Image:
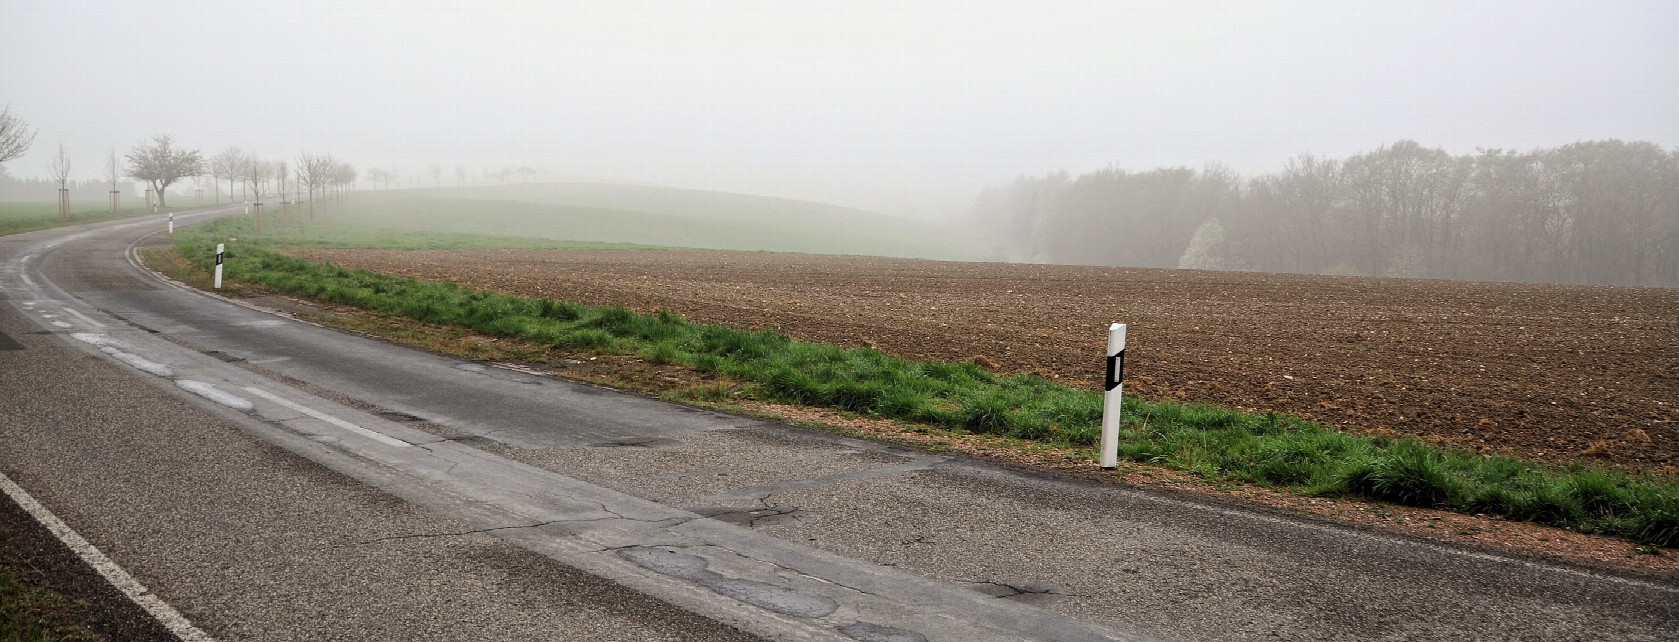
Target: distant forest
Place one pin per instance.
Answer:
(1598, 212)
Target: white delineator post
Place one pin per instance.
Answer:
(220, 248)
(1114, 385)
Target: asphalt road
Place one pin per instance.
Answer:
(251, 540)
(276, 480)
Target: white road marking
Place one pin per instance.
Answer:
(119, 351)
(61, 324)
(160, 610)
(140, 363)
(212, 393)
(84, 317)
(93, 338)
(370, 434)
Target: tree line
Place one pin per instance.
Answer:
(310, 175)
(1594, 212)
(160, 163)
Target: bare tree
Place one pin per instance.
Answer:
(113, 172)
(59, 170)
(305, 178)
(229, 166)
(1405, 197)
(316, 174)
(1290, 220)
(343, 177)
(225, 167)
(381, 177)
(460, 176)
(160, 164)
(15, 136)
(256, 174)
(437, 174)
(281, 175)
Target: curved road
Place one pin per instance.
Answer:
(275, 480)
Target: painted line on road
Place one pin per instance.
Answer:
(118, 351)
(140, 363)
(370, 434)
(159, 610)
(211, 392)
(84, 317)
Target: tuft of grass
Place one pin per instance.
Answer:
(1407, 473)
(1221, 444)
(29, 612)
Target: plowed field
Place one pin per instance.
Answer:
(1546, 371)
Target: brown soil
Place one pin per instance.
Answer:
(1550, 372)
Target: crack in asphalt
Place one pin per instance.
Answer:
(569, 520)
(1014, 590)
(670, 561)
(776, 511)
(377, 540)
(754, 515)
(871, 632)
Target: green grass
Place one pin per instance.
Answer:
(1217, 443)
(295, 234)
(28, 612)
(646, 216)
(17, 217)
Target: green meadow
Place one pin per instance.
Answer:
(641, 215)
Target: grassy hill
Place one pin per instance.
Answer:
(647, 215)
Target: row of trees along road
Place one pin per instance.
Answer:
(254, 177)
(160, 164)
(1598, 212)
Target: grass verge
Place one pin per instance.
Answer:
(29, 612)
(17, 217)
(1266, 449)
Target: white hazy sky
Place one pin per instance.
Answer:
(898, 106)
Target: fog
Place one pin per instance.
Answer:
(900, 107)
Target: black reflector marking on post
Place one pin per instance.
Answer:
(1116, 371)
